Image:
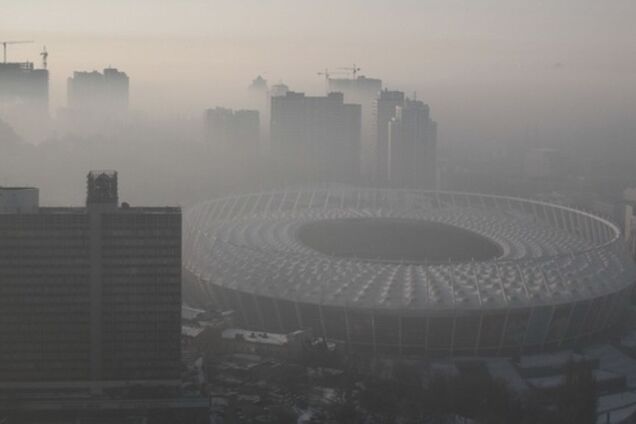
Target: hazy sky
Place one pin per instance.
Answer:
(509, 56)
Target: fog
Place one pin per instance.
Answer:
(497, 74)
(387, 211)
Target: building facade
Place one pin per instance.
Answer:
(319, 135)
(412, 161)
(385, 107)
(104, 93)
(90, 297)
(24, 99)
(237, 131)
(362, 91)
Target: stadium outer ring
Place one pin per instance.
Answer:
(558, 299)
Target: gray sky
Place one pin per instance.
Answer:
(527, 58)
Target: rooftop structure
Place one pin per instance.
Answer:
(19, 200)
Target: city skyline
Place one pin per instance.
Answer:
(450, 52)
(343, 212)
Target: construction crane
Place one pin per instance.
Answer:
(45, 57)
(354, 70)
(6, 43)
(327, 74)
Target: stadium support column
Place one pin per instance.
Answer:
(375, 342)
(279, 318)
(478, 340)
(347, 329)
(322, 321)
(400, 349)
(298, 315)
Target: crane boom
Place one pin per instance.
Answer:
(354, 70)
(6, 43)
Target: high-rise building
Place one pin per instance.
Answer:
(413, 147)
(90, 297)
(278, 90)
(229, 130)
(385, 107)
(362, 91)
(104, 93)
(259, 100)
(320, 135)
(24, 98)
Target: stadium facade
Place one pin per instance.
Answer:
(410, 272)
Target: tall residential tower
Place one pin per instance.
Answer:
(319, 135)
(362, 91)
(413, 147)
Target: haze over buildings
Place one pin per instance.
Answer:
(238, 131)
(453, 54)
(24, 98)
(96, 92)
(321, 262)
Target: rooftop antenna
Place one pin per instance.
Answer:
(6, 43)
(45, 56)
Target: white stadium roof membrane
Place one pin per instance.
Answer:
(549, 254)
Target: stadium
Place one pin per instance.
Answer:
(407, 272)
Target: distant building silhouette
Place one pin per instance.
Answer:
(320, 135)
(413, 147)
(102, 93)
(259, 100)
(385, 108)
(362, 91)
(97, 102)
(24, 98)
(236, 131)
(91, 295)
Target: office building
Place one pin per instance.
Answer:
(385, 107)
(412, 147)
(259, 100)
(362, 91)
(318, 135)
(90, 297)
(95, 93)
(236, 131)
